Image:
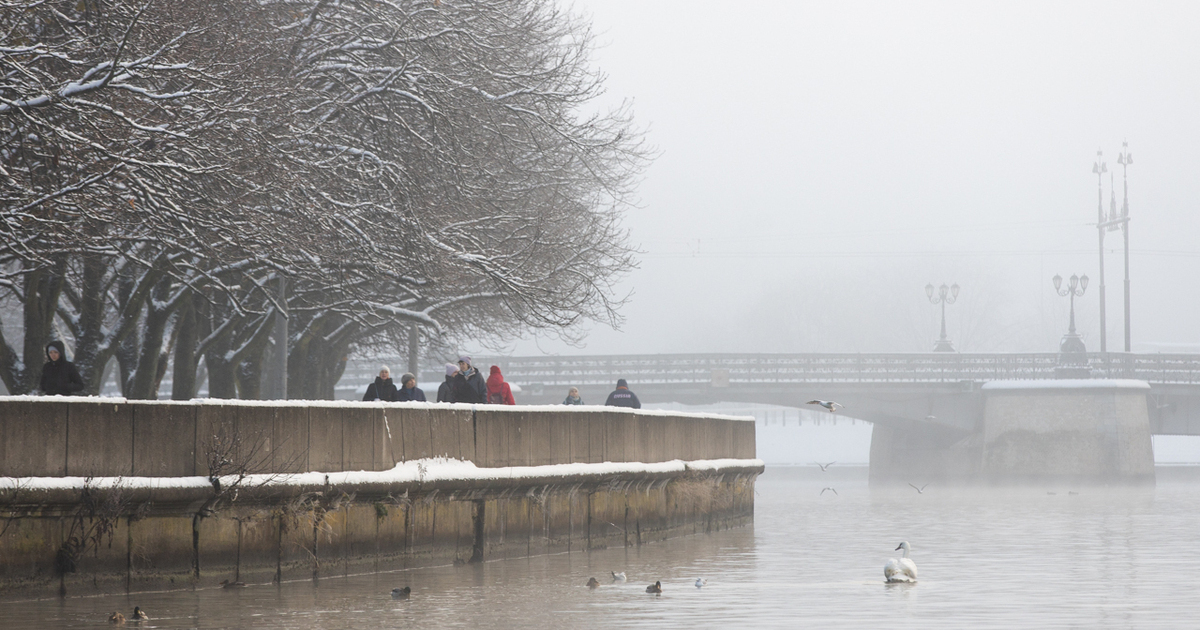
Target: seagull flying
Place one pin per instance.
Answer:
(830, 489)
(828, 404)
(824, 467)
(920, 490)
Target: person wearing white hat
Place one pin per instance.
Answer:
(383, 388)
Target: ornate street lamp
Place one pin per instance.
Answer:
(1072, 343)
(946, 295)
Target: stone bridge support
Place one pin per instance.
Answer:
(1073, 432)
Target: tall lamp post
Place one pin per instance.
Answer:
(1099, 168)
(1125, 158)
(946, 295)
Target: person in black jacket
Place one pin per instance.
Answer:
(383, 388)
(469, 386)
(59, 376)
(622, 397)
(446, 389)
(408, 389)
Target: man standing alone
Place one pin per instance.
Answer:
(622, 397)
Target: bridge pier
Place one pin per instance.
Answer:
(920, 453)
(1072, 432)
(1069, 431)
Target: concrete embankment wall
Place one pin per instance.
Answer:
(53, 437)
(157, 520)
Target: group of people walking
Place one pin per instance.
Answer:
(464, 384)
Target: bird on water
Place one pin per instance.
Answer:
(228, 584)
(618, 577)
(401, 593)
(701, 582)
(902, 569)
(116, 618)
(139, 614)
(593, 583)
(829, 405)
(655, 588)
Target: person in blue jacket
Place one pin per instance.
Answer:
(622, 397)
(409, 390)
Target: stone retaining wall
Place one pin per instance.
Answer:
(54, 437)
(156, 521)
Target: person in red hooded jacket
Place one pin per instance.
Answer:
(498, 392)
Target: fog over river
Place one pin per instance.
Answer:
(986, 559)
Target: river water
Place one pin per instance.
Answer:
(987, 559)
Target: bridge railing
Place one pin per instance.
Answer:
(803, 368)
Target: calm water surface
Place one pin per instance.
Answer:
(987, 559)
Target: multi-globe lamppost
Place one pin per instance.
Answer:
(946, 295)
(1072, 343)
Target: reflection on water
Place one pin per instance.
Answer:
(998, 559)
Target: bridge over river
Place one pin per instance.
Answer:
(936, 388)
(920, 404)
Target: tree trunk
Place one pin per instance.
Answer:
(126, 351)
(42, 290)
(315, 364)
(183, 378)
(142, 383)
(88, 349)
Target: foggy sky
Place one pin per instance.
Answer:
(821, 162)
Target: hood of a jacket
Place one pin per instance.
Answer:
(495, 379)
(58, 345)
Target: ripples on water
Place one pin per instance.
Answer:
(987, 559)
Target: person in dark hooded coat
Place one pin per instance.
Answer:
(446, 389)
(59, 376)
(622, 397)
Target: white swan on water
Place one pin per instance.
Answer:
(901, 569)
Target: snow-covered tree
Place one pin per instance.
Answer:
(165, 165)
